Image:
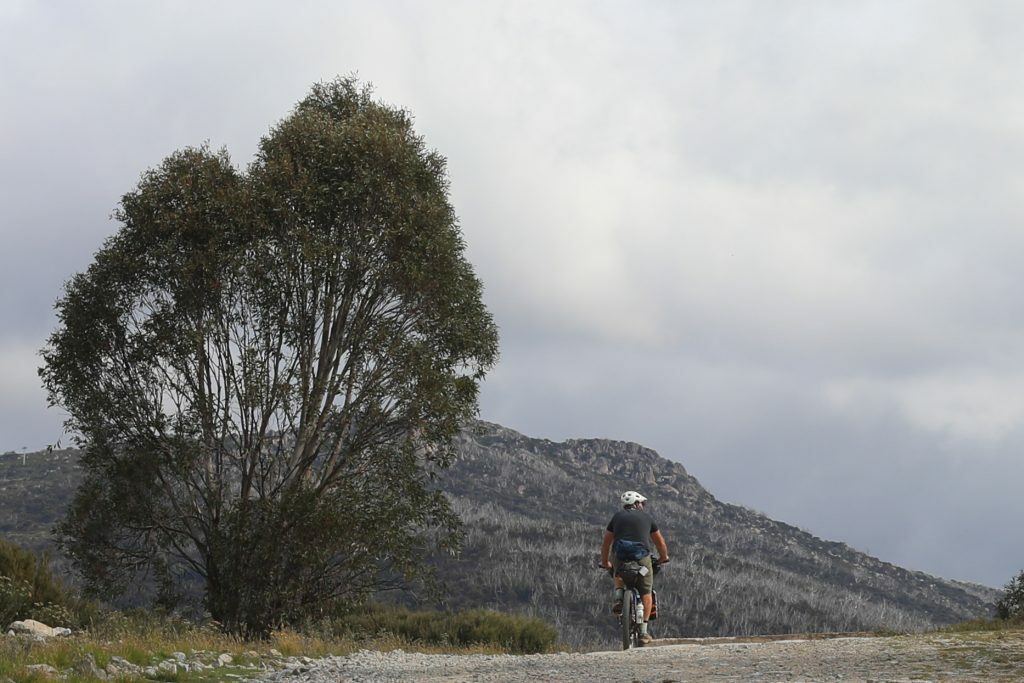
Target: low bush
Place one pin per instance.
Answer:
(976, 625)
(1010, 607)
(29, 590)
(505, 632)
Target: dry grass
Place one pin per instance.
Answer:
(145, 639)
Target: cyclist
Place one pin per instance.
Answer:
(629, 535)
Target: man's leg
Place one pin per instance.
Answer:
(645, 637)
(646, 587)
(620, 589)
(646, 597)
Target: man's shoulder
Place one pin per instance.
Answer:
(632, 514)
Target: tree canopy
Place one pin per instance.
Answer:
(265, 368)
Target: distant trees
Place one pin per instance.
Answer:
(265, 369)
(1010, 606)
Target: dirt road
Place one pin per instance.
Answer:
(978, 656)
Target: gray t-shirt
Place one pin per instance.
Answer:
(633, 525)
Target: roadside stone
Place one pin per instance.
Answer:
(225, 659)
(169, 666)
(44, 669)
(120, 665)
(86, 666)
(180, 656)
(274, 653)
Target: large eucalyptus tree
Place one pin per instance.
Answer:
(265, 368)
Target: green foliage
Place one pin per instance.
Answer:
(1010, 607)
(978, 626)
(266, 369)
(507, 632)
(29, 590)
(15, 598)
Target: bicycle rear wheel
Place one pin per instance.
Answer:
(628, 620)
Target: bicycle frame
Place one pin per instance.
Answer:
(632, 617)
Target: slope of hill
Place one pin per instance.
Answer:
(35, 489)
(534, 513)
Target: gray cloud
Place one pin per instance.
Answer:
(775, 241)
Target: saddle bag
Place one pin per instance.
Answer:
(631, 572)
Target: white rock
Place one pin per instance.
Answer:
(225, 659)
(119, 664)
(44, 669)
(61, 631)
(170, 666)
(180, 656)
(274, 653)
(31, 627)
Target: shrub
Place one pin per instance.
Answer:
(1010, 607)
(29, 590)
(507, 632)
(15, 596)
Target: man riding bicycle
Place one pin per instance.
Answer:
(628, 537)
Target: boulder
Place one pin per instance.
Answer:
(86, 666)
(119, 666)
(31, 627)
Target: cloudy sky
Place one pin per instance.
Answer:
(777, 241)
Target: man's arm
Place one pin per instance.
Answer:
(606, 545)
(659, 543)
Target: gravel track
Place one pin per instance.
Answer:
(971, 657)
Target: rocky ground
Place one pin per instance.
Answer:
(978, 656)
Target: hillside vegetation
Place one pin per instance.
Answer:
(534, 512)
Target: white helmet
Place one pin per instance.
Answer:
(632, 497)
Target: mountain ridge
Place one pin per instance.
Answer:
(734, 571)
(534, 511)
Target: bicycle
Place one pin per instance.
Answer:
(632, 617)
